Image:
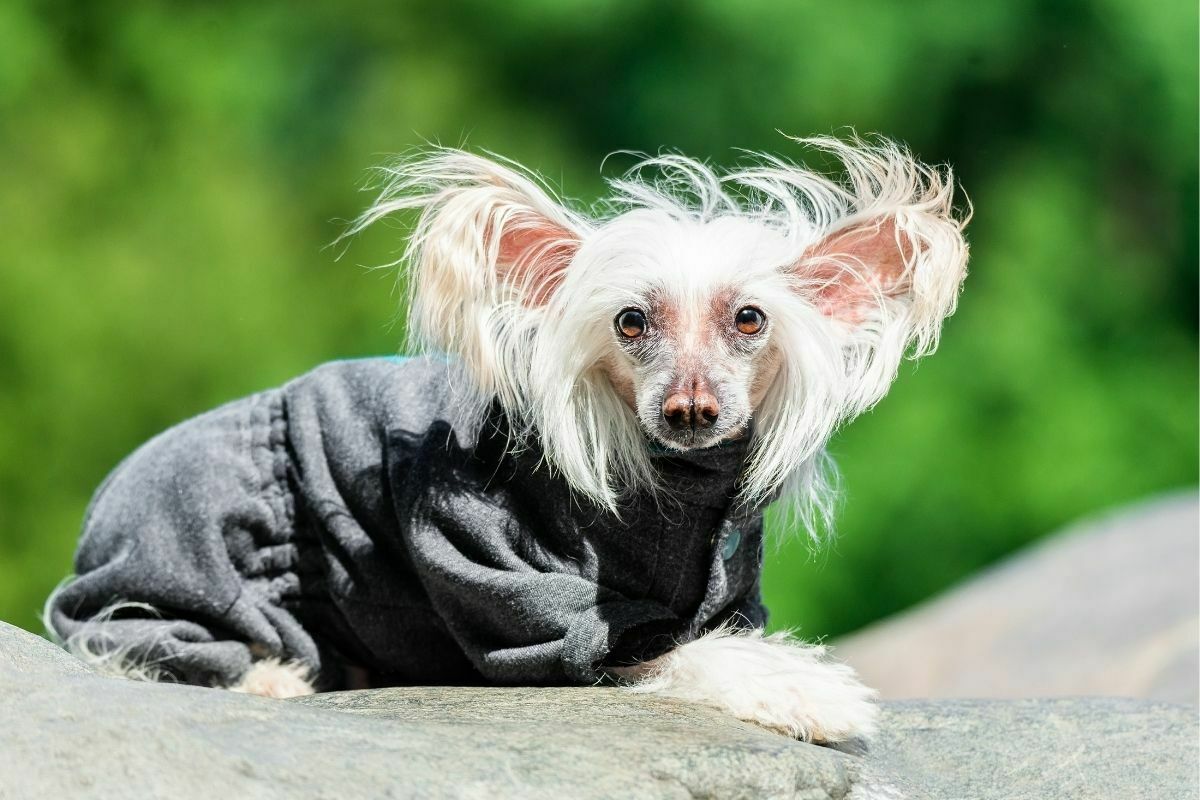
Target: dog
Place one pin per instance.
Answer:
(568, 486)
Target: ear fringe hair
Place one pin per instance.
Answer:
(459, 302)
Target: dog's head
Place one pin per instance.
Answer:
(767, 302)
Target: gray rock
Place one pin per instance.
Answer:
(1069, 748)
(1109, 607)
(22, 653)
(65, 732)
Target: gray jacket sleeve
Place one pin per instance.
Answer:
(516, 622)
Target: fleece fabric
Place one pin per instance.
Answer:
(356, 521)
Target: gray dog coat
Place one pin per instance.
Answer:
(353, 518)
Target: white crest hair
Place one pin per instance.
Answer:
(533, 333)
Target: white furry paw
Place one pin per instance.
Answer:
(271, 677)
(775, 681)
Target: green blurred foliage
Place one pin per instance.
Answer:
(172, 173)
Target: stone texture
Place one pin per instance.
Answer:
(65, 732)
(1051, 749)
(22, 653)
(1108, 607)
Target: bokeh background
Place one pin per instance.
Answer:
(171, 174)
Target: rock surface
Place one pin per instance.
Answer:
(65, 732)
(1110, 606)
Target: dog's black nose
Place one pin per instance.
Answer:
(679, 416)
(697, 408)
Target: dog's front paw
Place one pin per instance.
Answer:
(823, 703)
(775, 681)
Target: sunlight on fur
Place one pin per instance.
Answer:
(773, 680)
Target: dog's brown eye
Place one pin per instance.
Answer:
(631, 323)
(750, 320)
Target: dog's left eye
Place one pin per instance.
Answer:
(631, 323)
(750, 320)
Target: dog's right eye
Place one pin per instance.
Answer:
(631, 323)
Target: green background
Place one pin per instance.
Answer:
(172, 173)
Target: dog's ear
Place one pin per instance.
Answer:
(490, 248)
(892, 273)
(533, 253)
(849, 271)
(888, 266)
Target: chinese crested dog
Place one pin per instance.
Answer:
(568, 485)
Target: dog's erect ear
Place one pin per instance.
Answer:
(895, 272)
(490, 249)
(852, 269)
(888, 265)
(533, 253)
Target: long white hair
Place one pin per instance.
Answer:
(506, 277)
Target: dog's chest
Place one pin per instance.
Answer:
(692, 548)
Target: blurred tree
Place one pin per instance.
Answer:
(171, 171)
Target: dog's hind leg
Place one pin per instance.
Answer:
(271, 677)
(133, 640)
(92, 641)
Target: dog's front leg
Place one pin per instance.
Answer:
(776, 681)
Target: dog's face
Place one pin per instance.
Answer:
(692, 371)
(690, 346)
